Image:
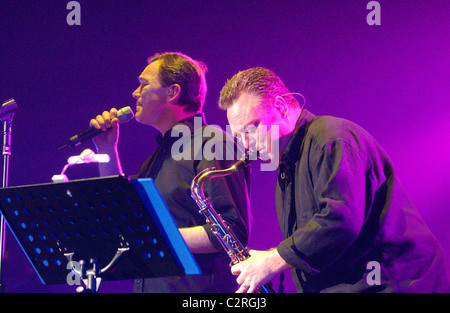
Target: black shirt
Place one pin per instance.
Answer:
(183, 152)
(342, 209)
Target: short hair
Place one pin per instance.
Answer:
(189, 74)
(258, 81)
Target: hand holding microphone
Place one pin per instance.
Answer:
(106, 124)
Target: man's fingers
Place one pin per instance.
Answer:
(242, 289)
(94, 123)
(251, 289)
(236, 269)
(246, 288)
(105, 120)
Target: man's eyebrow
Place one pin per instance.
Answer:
(141, 79)
(251, 125)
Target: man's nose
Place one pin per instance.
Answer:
(136, 94)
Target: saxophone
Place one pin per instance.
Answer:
(234, 248)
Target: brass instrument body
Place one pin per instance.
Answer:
(234, 248)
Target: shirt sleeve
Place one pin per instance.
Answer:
(338, 177)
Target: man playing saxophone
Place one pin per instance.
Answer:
(340, 205)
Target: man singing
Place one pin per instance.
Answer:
(171, 93)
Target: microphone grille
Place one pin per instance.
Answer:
(125, 114)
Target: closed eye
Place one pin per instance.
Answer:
(251, 127)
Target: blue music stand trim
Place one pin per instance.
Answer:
(160, 214)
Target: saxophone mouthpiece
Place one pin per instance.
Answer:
(246, 160)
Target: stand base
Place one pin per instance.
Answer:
(92, 277)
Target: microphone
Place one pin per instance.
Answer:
(7, 110)
(123, 115)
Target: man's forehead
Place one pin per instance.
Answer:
(151, 71)
(248, 105)
(241, 115)
(248, 99)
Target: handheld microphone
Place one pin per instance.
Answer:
(123, 115)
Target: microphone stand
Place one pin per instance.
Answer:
(6, 115)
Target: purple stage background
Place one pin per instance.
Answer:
(392, 79)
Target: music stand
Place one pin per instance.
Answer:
(122, 227)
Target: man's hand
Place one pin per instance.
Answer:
(258, 269)
(107, 142)
(109, 123)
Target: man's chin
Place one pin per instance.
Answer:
(138, 115)
(264, 156)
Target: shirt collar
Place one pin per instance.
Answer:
(167, 140)
(292, 150)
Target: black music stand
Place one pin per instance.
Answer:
(121, 227)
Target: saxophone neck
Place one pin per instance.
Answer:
(210, 173)
(243, 162)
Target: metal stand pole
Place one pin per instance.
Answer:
(6, 155)
(2, 249)
(7, 112)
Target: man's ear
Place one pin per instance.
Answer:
(281, 106)
(173, 93)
